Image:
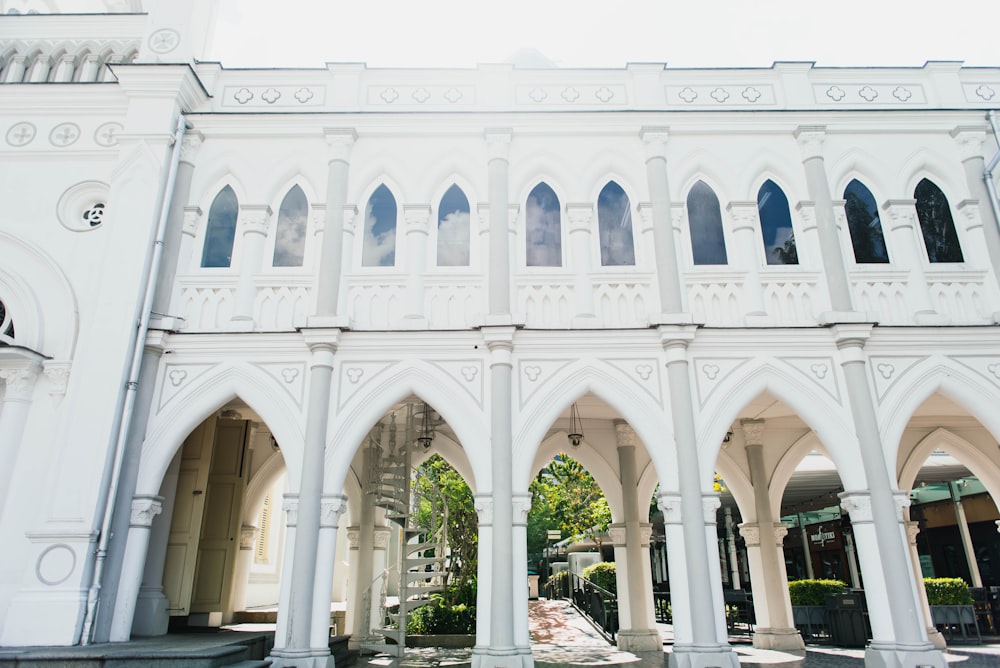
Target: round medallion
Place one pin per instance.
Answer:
(21, 134)
(55, 564)
(164, 40)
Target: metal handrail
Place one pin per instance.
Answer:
(596, 603)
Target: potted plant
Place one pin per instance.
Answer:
(950, 602)
(808, 599)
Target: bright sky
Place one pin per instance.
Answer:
(584, 33)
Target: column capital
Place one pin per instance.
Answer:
(322, 343)
(290, 504)
(902, 212)
(190, 143)
(617, 534)
(417, 218)
(380, 539)
(743, 214)
(483, 504)
(248, 535)
(645, 210)
(710, 504)
(350, 218)
(144, 509)
(499, 340)
(675, 340)
(192, 214)
(655, 139)
(753, 431)
(579, 215)
(255, 218)
(331, 507)
(625, 435)
(848, 336)
(19, 378)
(970, 140)
(807, 211)
(669, 504)
(751, 533)
(339, 142)
(57, 374)
(498, 142)
(810, 139)
(858, 505)
(522, 506)
(969, 210)
(912, 529)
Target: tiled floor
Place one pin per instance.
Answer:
(561, 637)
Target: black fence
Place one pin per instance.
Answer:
(598, 604)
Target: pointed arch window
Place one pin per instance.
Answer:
(379, 246)
(290, 232)
(543, 228)
(936, 224)
(614, 224)
(864, 224)
(220, 232)
(708, 244)
(776, 225)
(453, 229)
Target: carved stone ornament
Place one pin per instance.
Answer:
(144, 509)
(858, 505)
(751, 534)
(354, 538)
(753, 431)
(780, 531)
(625, 435)
(57, 374)
(290, 504)
(19, 382)
(484, 507)
(522, 506)
(912, 529)
(254, 219)
(248, 535)
(190, 144)
(710, 504)
(381, 538)
(646, 534)
(192, 214)
(330, 510)
(617, 534)
(669, 504)
(810, 139)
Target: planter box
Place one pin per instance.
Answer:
(446, 640)
(811, 621)
(951, 616)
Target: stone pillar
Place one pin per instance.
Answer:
(178, 238)
(806, 552)
(499, 301)
(151, 616)
(353, 592)
(501, 650)
(380, 574)
(637, 619)
(296, 649)
(746, 243)
(244, 562)
(364, 588)
(665, 250)
(15, 69)
(144, 509)
(331, 508)
(521, 506)
(970, 141)
(705, 642)
(484, 593)
(580, 218)
(852, 560)
(339, 143)
(734, 562)
(810, 139)
(253, 221)
(933, 635)
(765, 554)
(19, 378)
(909, 254)
(89, 71)
(64, 68)
(40, 69)
(899, 633)
(963, 531)
(417, 218)
(290, 504)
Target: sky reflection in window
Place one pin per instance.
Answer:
(614, 221)
(453, 229)
(379, 249)
(290, 232)
(542, 228)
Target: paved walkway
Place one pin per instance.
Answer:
(562, 637)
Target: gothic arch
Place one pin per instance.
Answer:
(446, 395)
(831, 421)
(703, 167)
(632, 402)
(370, 180)
(856, 163)
(768, 165)
(451, 169)
(204, 395)
(613, 166)
(452, 453)
(931, 165)
(531, 170)
(968, 454)
(260, 484)
(606, 475)
(293, 177)
(789, 462)
(958, 383)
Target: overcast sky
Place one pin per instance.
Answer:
(585, 33)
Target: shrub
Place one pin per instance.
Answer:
(947, 591)
(463, 592)
(439, 619)
(603, 575)
(814, 592)
(560, 583)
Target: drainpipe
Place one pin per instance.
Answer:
(107, 502)
(991, 187)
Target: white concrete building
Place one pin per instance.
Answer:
(211, 277)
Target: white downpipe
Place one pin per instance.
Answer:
(107, 503)
(991, 187)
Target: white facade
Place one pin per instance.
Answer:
(874, 364)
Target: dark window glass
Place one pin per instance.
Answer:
(542, 228)
(614, 223)
(936, 224)
(453, 229)
(220, 231)
(379, 248)
(290, 232)
(6, 322)
(776, 225)
(708, 245)
(864, 224)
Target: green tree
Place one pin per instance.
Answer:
(565, 497)
(444, 502)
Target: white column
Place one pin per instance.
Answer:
(734, 562)
(707, 644)
(746, 242)
(339, 143)
(89, 68)
(363, 600)
(669, 503)
(290, 504)
(353, 591)
(772, 604)
(852, 560)
(151, 614)
(19, 378)
(935, 636)
(244, 562)
(806, 552)
(331, 508)
(40, 69)
(144, 509)
(499, 293)
(638, 631)
(521, 506)
(64, 69)
(580, 219)
(970, 142)
(380, 574)
(667, 263)
(15, 69)
(963, 531)
(909, 255)
(253, 222)
(417, 219)
(975, 221)
(484, 511)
